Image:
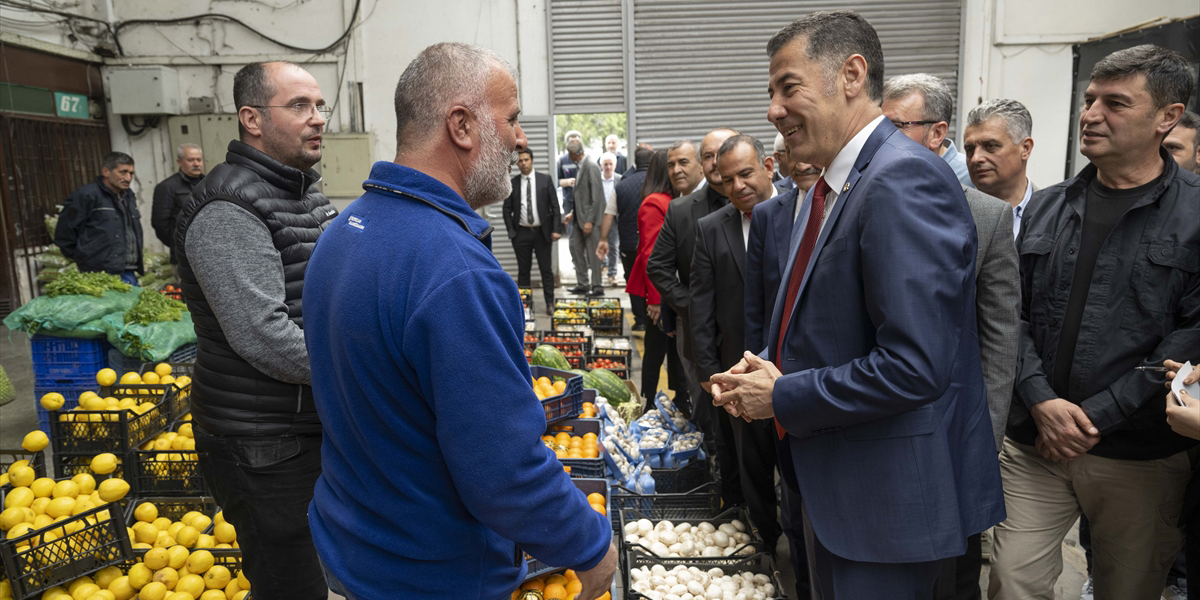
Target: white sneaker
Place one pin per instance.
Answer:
(1175, 592)
(1088, 592)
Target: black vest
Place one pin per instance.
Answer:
(229, 395)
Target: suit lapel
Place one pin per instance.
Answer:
(732, 224)
(783, 227)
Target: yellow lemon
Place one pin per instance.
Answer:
(102, 595)
(146, 512)
(213, 595)
(10, 517)
(42, 487)
(177, 557)
(219, 517)
(121, 589)
(39, 506)
(103, 464)
(3, 479)
(162, 369)
(52, 401)
(93, 403)
(61, 507)
(139, 576)
(66, 489)
(173, 529)
(21, 477)
(232, 589)
(166, 380)
(150, 378)
(153, 591)
(19, 530)
(84, 590)
(35, 441)
(106, 377)
(86, 483)
(190, 584)
(144, 533)
(55, 593)
(216, 578)
(17, 465)
(206, 541)
(131, 378)
(200, 561)
(166, 576)
(104, 577)
(126, 403)
(200, 522)
(242, 581)
(19, 497)
(241, 595)
(224, 533)
(187, 536)
(185, 430)
(156, 559)
(162, 524)
(82, 505)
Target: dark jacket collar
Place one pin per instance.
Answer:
(189, 178)
(405, 182)
(1078, 185)
(104, 189)
(286, 178)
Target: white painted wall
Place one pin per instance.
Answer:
(1021, 49)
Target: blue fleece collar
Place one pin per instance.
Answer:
(391, 178)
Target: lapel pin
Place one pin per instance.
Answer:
(846, 187)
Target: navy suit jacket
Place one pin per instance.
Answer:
(767, 256)
(882, 391)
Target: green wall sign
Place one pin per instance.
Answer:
(71, 106)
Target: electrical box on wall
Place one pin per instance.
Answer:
(149, 90)
(211, 132)
(345, 163)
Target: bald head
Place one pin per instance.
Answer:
(708, 154)
(281, 112)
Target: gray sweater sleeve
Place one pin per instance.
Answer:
(237, 265)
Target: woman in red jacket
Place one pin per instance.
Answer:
(656, 196)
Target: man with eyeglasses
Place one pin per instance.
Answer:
(921, 106)
(243, 242)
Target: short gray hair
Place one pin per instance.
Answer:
(185, 146)
(1169, 77)
(939, 100)
(570, 134)
(760, 151)
(441, 76)
(681, 143)
(1016, 117)
(608, 156)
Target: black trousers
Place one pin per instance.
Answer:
(527, 242)
(755, 446)
(728, 461)
(264, 485)
(959, 576)
(637, 303)
(660, 347)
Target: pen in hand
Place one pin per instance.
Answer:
(1153, 369)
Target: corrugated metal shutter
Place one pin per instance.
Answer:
(537, 132)
(587, 64)
(700, 65)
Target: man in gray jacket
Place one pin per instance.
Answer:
(586, 218)
(243, 243)
(997, 292)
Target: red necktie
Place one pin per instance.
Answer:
(812, 229)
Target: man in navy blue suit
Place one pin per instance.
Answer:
(871, 367)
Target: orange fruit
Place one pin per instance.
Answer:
(600, 509)
(534, 584)
(556, 578)
(574, 586)
(560, 387)
(595, 498)
(571, 576)
(543, 381)
(554, 591)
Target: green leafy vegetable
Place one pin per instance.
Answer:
(153, 307)
(92, 284)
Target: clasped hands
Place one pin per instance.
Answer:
(745, 390)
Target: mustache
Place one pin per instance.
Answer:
(811, 171)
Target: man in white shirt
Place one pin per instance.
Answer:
(531, 215)
(608, 179)
(997, 145)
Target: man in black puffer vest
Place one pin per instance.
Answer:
(243, 242)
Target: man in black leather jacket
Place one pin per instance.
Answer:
(100, 227)
(171, 194)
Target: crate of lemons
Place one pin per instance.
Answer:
(153, 382)
(168, 463)
(96, 422)
(50, 525)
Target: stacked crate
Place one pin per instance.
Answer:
(67, 366)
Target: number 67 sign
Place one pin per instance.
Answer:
(71, 106)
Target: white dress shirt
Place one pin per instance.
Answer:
(838, 171)
(527, 183)
(610, 195)
(745, 230)
(1019, 210)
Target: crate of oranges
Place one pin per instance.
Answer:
(576, 442)
(596, 491)
(563, 584)
(561, 392)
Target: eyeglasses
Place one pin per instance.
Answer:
(304, 109)
(903, 124)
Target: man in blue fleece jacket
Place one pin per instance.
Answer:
(435, 480)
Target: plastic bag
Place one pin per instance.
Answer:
(67, 313)
(151, 343)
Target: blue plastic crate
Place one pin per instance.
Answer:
(566, 405)
(70, 397)
(587, 486)
(66, 361)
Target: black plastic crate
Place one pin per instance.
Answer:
(9, 456)
(526, 297)
(606, 314)
(173, 507)
(672, 505)
(681, 479)
(117, 431)
(612, 345)
(620, 368)
(571, 349)
(581, 467)
(167, 472)
(178, 397)
(40, 566)
(693, 516)
(759, 564)
(70, 395)
(587, 486)
(566, 405)
(70, 465)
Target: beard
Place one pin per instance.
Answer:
(487, 179)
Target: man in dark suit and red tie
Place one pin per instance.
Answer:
(532, 217)
(871, 368)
